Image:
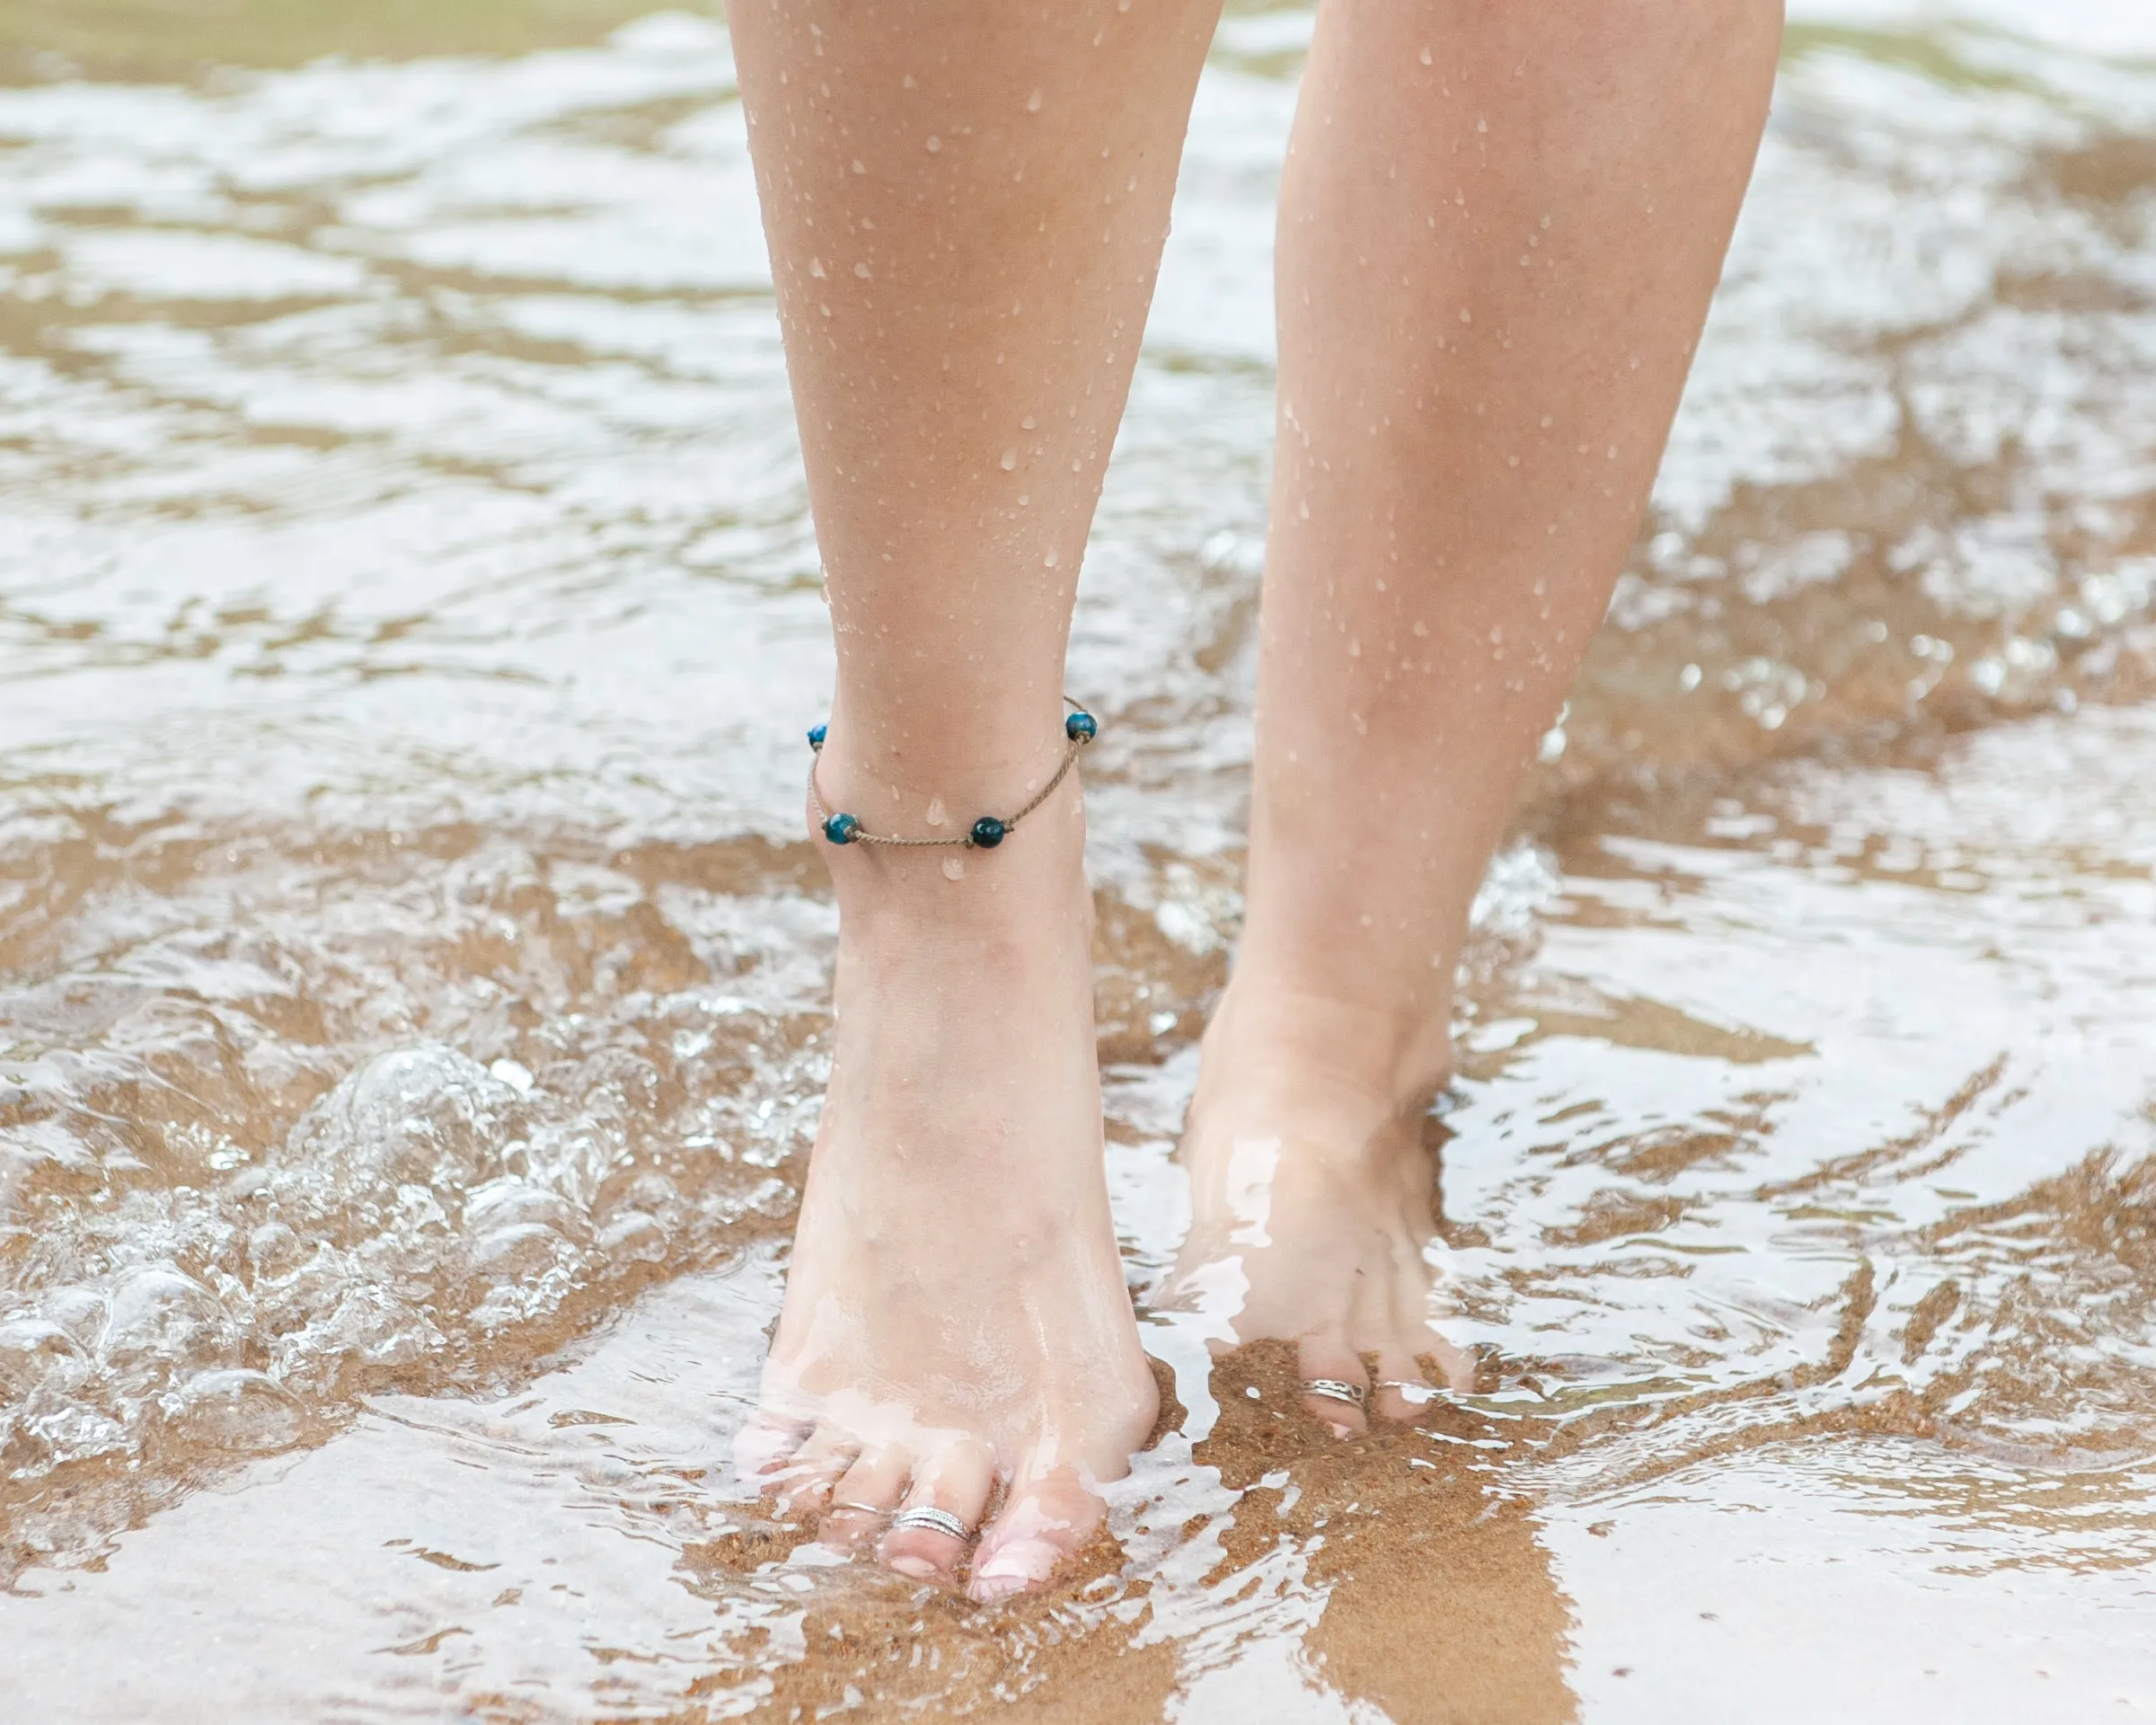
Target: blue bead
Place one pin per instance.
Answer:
(1081, 728)
(840, 830)
(815, 735)
(987, 832)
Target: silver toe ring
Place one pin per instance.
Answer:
(1334, 1389)
(930, 1521)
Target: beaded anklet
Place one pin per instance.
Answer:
(1079, 728)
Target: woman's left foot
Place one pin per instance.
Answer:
(1313, 1209)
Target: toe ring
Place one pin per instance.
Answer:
(1335, 1389)
(930, 1521)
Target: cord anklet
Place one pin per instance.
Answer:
(1079, 729)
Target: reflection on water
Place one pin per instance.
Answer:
(412, 983)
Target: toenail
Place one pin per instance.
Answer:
(919, 1568)
(1021, 1564)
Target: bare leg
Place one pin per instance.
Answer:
(965, 203)
(1499, 230)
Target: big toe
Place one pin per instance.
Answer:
(1335, 1385)
(1047, 1521)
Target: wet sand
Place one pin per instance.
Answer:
(412, 983)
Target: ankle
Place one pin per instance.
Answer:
(1034, 877)
(1270, 1038)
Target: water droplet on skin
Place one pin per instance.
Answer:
(1029, 422)
(1050, 560)
(934, 144)
(1421, 628)
(1512, 460)
(953, 869)
(936, 816)
(1010, 460)
(1466, 316)
(1426, 56)
(1482, 125)
(862, 270)
(859, 166)
(1546, 422)
(1033, 102)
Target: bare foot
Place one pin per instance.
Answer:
(956, 1330)
(1312, 1203)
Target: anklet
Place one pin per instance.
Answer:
(1079, 729)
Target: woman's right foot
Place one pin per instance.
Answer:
(956, 1325)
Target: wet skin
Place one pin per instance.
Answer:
(962, 273)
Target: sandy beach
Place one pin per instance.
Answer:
(414, 979)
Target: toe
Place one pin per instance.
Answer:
(802, 1481)
(765, 1445)
(956, 1481)
(863, 1500)
(1047, 1522)
(1447, 1364)
(1402, 1392)
(1328, 1360)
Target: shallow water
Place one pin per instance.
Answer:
(413, 981)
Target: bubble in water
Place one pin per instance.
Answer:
(516, 1254)
(161, 1315)
(426, 1115)
(32, 1349)
(79, 1311)
(515, 1202)
(633, 1237)
(237, 1410)
(272, 1249)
